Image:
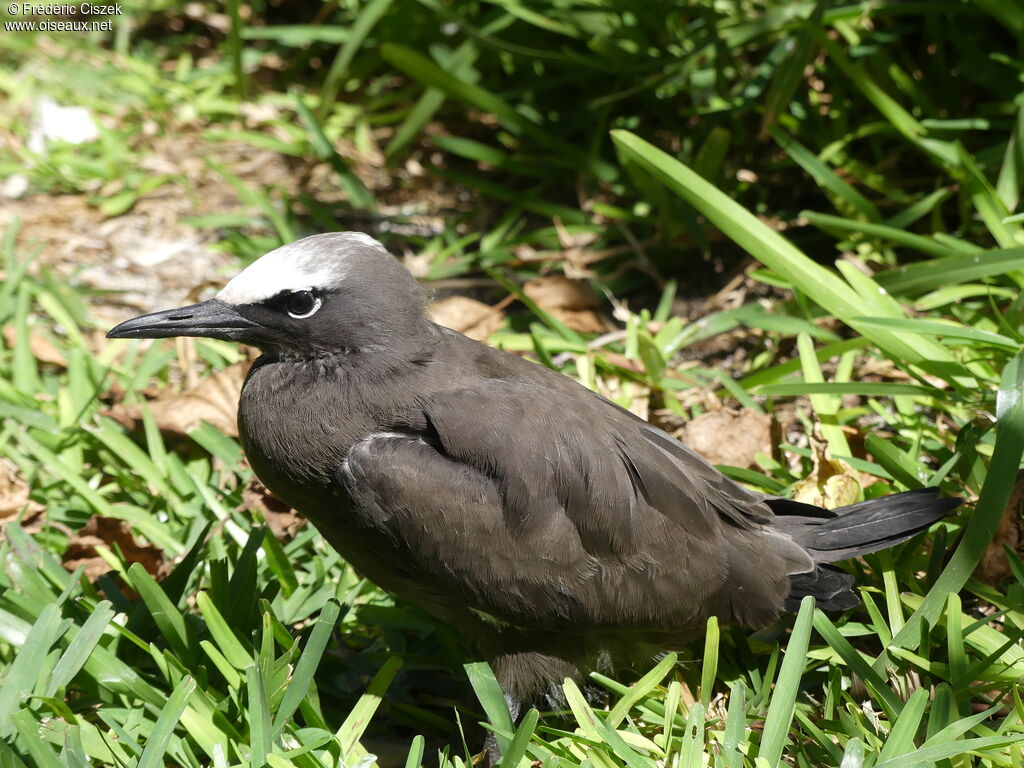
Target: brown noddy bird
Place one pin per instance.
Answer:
(554, 529)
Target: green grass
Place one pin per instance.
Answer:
(886, 137)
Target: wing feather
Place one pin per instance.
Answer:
(545, 505)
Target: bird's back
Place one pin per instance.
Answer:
(579, 515)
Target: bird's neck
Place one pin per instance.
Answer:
(300, 414)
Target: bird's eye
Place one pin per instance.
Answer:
(302, 304)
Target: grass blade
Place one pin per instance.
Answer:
(735, 726)
(226, 640)
(521, 740)
(78, 651)
(369, 15)
(302, 677)
(709, 668)
(783, 700)
(878, 686)
(170, 716)
(825, 406)
(258, 716)
(639, 690)
(1002, 472)
(24, 670)
(841, 190)
(355, 724)
(426, 71)
(928, 275)
(947, 329)
(824, 287)
(166, 615)
(359, 197)
(891, 234)
(492, 699)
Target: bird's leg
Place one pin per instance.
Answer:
(515, 707)
(523, 664)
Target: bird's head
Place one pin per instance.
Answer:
(337, 292)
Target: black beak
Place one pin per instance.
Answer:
(212, 318)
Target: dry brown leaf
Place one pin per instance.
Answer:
(581, 320)
(559, 292)
(569, 301)
(577, 253)
(994, 566)
(14, 499)
(832, 483)
(14, 492)
(729, 437)
(115, 534)
(469, 316)
(42, 349)
(568, 240)
(284, 521)
(215, 400)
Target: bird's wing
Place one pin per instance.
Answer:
(609, 470)
(438, 535)
(550, 503)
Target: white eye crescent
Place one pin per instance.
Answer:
(302, 304)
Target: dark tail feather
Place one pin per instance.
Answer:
(832, 589)
(850, 532)
(862, 528)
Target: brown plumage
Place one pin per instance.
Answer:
(550, 526)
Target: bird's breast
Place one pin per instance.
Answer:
(296, 427)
